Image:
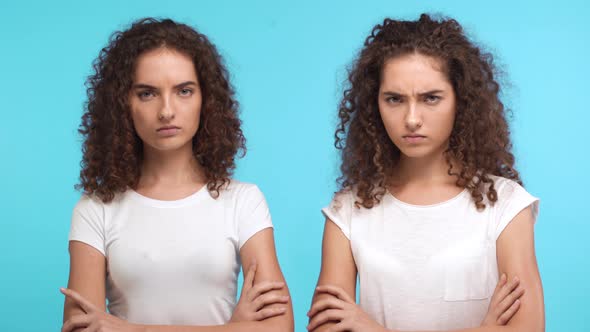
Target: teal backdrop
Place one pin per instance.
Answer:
(288, 60)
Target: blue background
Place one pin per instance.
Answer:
(288, 61)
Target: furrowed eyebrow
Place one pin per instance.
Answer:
(143, 86)
(391, 93)
(422, 94)
(184, 84)
(178, 86)
(431, 92)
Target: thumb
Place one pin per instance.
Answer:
(86, 305)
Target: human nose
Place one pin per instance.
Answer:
(166, 112)
(413, 118)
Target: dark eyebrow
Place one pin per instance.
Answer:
(143, 86)
(183, 84)
(391, 93)
(431, 92)
(178, 86)
(427, 93)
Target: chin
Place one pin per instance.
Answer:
(416, 152)
(170, 145)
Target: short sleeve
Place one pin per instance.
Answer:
(253, 215)
(340, 211)
(88, 224)
(512, 199)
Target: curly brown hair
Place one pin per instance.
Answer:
(480, 140)
(112, 150)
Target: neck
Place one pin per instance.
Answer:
(170, 168)
(427, 170)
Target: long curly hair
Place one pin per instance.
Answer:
(480, 140)
(112, 150)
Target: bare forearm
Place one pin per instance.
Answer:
(71, 310)
(324, 327)
(327, 325)
(231, 327)
(489, 329)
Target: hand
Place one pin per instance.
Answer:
(254, 299)
(341, 308)
(94, 320)
(505, 302)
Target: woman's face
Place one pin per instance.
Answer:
(165, 100)
(417, 105)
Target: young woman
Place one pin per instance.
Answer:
(431, 215)
(162, 230)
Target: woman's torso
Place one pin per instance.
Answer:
(173, 262)
(428, 267)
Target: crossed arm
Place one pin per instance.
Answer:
(86, 305)
(515, 254)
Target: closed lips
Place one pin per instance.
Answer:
(168, 127)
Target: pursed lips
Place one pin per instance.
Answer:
(168, 131)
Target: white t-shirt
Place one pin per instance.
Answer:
(172, 262)
(428, 267)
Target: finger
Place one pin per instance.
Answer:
(81, 301)
(496, 296)
(324, 317)
(507, 315)
(510, 299)
(340, 327)
(91, 328)
(268, 299)
(500, 284)
(336, 291)
(269, 312)
(327, 303)
(503, 280)
(249, 278)
(507, 289)
(75, 322)
(263, 287)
